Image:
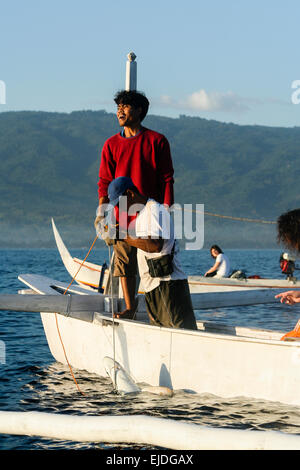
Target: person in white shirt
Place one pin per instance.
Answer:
(221, 268)
(167, 294)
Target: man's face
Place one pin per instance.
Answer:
(127, 115)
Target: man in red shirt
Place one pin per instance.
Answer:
(144, 156)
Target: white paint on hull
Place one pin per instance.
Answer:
(203, 362)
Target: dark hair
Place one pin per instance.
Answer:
(217, 248)
(288, 229)
(135, 99)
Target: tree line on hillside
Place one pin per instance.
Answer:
(49, 165)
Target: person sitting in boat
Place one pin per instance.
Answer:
(167, 295)
(288, 232)
(287, 265)
(221, 268)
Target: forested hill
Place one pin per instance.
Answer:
(49, 167)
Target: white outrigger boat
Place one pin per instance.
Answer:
(227, 361)
(214, 292)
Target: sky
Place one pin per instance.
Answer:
(227, 60)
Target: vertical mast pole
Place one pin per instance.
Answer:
(131, 72)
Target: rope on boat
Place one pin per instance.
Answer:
(243, 219)
(56, 318)
(112, 314)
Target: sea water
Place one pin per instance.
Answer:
(31, 380)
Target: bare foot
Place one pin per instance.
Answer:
(130, 314)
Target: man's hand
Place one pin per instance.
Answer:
(98, 220)
(106, 232)
(290, 297)
(146, 244)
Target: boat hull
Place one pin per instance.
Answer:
(225, 365)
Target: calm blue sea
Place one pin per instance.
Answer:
(30, 379)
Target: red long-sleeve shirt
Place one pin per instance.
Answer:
(145, 158)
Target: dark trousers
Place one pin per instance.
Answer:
(211, 274)
(170, 305)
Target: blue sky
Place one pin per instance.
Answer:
(228, 60)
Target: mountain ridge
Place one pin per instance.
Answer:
(50, 161)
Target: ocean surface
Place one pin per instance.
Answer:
(31, 380)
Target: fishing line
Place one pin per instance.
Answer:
(56, 318)
(242, 219)
(112, 313)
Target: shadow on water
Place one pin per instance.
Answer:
(52, 389)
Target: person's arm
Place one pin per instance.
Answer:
(166, 171)
(106, 171)
(99, 212)
(169, 193)
(106, 175)
(290, 297)
(213, 268)
(102, 200)
(150, 229)
(146, 244)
